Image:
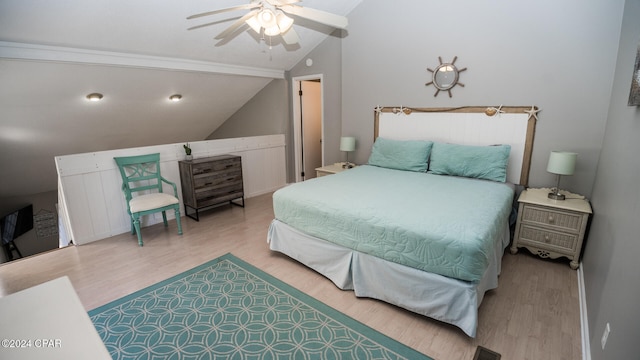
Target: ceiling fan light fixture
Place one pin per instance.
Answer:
(267, 18)
(272, 23)
(94, 97)
(272, 31)
(284, 22)
(254, 23)
(175, 97)
(272, 18)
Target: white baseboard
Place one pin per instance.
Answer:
(584, 322)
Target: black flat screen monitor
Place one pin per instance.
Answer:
(15, 224)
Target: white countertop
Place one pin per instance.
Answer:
(48, 321)
(572, 202)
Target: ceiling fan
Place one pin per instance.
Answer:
(269, 18)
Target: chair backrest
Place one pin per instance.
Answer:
(139, 173)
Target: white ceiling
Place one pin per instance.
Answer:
(158, 28)
(136, 53)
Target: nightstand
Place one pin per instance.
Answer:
(330, 169)
(551, 228)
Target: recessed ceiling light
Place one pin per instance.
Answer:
(94, 97)
(176, 97)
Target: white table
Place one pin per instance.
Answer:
(330, 169)
(48, 321)
(551, 228)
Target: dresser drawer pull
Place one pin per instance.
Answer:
(551, 219)
(546, 239)
(229, 165)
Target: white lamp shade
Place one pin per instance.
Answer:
(273, 23)
(284, 22)
(267, 18)
(272, 31)
(254, 23)
(562, 162)
(347, 143)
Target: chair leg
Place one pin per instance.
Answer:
(133, 228)
(178, 221)
(136, 223)
(164, 218)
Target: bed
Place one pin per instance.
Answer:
(424, 224)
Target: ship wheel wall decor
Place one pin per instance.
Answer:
(445, 76)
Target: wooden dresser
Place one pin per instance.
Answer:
(211, 181)
(551, 228)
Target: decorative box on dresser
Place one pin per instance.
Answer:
(211, 181)
(551, 228)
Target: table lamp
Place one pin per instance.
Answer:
(561, 163)
(347, 144)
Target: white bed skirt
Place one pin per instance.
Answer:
(439, 297)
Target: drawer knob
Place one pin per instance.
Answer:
(551, 219)
(546, 239)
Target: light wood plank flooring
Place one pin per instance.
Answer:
(534, 314)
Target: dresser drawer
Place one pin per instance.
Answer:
(215, 179)
(203, 169)
(562, 220)
(220, 190)
(209, 199)
(548, 239)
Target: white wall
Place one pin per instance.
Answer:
(559, 56)
(326, 61)
(266, 113)
(612, 251)
(92, 205)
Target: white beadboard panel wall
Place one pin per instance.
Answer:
(91, 201)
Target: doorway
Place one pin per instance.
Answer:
(308, 126)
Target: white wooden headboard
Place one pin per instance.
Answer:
(473, 125)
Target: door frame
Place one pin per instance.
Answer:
(297, 143)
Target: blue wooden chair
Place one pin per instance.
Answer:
(141, 174)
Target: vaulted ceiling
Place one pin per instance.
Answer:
(136, 53)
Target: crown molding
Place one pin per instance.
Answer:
(36, 52)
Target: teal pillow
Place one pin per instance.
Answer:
(409, 155)
(482, 162)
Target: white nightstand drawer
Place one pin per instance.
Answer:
(565, 220)
(552, 240)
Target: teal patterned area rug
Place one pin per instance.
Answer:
(228, 309)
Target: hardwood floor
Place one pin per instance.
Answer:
(534, 313)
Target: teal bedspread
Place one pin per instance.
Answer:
(441, 224)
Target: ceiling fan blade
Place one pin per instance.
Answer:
(282, 3)
(290, 37)
(231, 29)
(239, 7)
(319, 16)
(205, 25)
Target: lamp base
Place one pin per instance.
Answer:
(555, 196)
(347, 165)
(555, 192)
